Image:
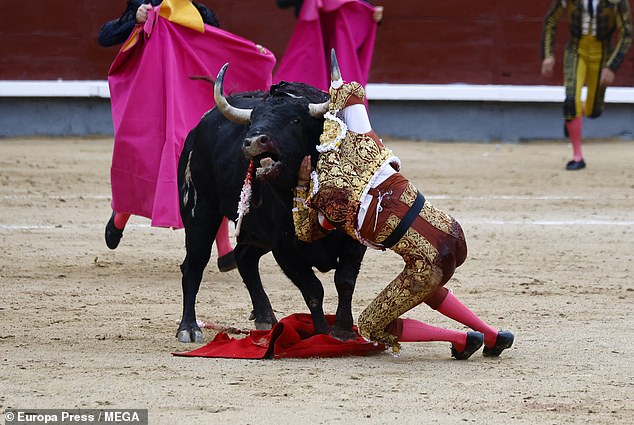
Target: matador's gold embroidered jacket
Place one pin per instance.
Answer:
(347, 165)
(611, 15)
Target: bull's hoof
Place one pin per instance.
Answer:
(190, 335)
(343, 334)
(264, 322)
(262, 326)
(321, 327)
(227, 262)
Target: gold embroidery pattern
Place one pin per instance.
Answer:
(420, 277)
(305, 220)
(339, 97)
(410, 288)
(411, 242)
(442, 221)
(409, 194)
(414, 245)
(437, 218)
(385, 231)
(344, 174)
(306, 225)
(330, 132)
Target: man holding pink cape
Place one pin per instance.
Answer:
(155, 104)
(348, 26)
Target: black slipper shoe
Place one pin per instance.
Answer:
(503, 341)
(474, 342)
(113, 235)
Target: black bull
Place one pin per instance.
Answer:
(211, 172)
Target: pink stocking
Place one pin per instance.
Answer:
(574, 127)
(415, 331)
(120, 220)
(222, 238)
(453, 308)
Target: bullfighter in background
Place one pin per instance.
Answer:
(588, 59)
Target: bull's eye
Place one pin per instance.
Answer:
(295, 121)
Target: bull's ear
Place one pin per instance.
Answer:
(237, 115)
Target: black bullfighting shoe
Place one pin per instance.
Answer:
(113, 235)
(474, 342)
(503, 341)
(575, 165)
(227, 262)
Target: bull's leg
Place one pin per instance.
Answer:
(302, 275)
(248, 260)
(345, 280)
(199, 238)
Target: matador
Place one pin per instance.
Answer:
(357, 188)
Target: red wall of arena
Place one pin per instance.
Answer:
(477, 42)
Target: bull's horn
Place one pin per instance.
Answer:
(336, 80)
(317, 110)
(237, 115)
(335, 72)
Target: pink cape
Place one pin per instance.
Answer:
(292, 337)
(155, 105)
(345, 25)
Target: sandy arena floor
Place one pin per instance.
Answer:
(551, 257)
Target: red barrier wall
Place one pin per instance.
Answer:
(478, 42)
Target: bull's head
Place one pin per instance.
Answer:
(282, 129)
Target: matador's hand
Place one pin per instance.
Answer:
(607, 77)
(547, 66)
(378, 14)
(141, 13)
(303, 174)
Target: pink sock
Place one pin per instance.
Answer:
(415, 331)
(222, 238)
(120, 220)
(574, 132)
(453, 308)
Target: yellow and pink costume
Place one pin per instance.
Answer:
(591, 27)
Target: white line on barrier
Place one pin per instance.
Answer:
(375, 91)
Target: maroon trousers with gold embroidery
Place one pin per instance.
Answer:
(432, 247)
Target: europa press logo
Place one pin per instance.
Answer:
(76, 416)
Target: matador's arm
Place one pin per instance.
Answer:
(553, 16)
(305, 218)
(624, 25)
